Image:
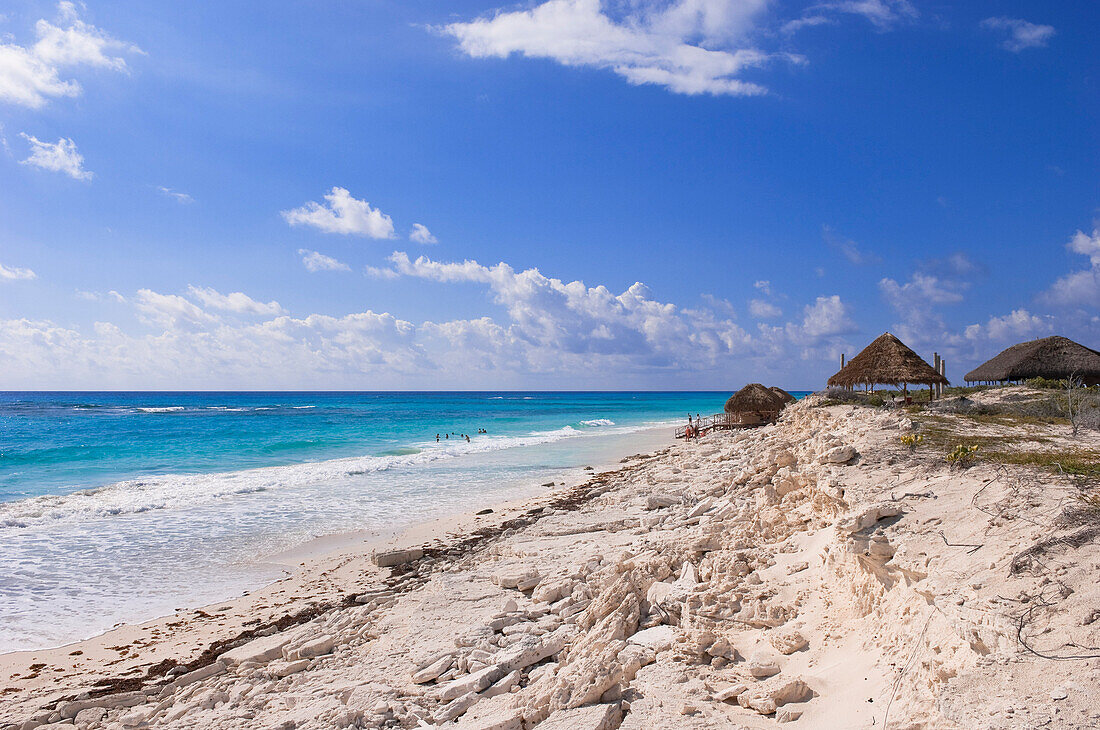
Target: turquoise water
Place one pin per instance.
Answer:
(124, 506)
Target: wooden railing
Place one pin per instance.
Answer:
(717, 422)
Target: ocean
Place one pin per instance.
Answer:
(120, 507)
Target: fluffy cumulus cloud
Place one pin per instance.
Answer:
(31, 75)
(421, 234)
(685, 46)
(1017, 325)
(763, 309)
(61, 156)
(550, 333)
(921, 291)
(342, 213)
(237, 302)
(170, 311)
(1079, 288)
(314, 262)
(1021, 34)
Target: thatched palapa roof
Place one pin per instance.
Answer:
(1050, 357)
(887, 361)
(784, 396)
(754, 398)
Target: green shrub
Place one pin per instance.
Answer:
(962, 456)
(1046, 383)
(875, 400)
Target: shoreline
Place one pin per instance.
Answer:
(802, 572)
(289, 560)
(297, 560)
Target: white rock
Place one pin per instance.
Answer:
(285, 670)
(864, 517)
(433, 670)
(391, 558)
(472, 682)
(657, 638)
(522, 579)
(840, 455)
(505, 684)
(456, 708)
(260, 651)
(657, 501)
(761, 665)
(730, 693)
(321, 645)
(788, 641)
(592, 717)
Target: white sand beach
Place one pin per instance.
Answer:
(815, 571)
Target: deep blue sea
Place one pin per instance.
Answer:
(119, 507)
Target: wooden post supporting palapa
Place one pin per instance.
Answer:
(934, 388)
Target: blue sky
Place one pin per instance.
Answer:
(563, 194)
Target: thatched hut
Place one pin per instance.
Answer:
(755, 405)
(887, 361)
(784, 396)
(1055, 357)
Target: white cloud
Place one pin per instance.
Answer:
(59, 157)
(1018, 325)
(1079, 288)
(315, 261)
(421, 234)
(719, 304)
(763, 285)
(848, 248)
(1086, 245)
(31, 75)
(761, 309)
(685, 46)
(342, 214)
(169, 310)
(826, 317)
(238, 302)
(552, 333)
(375, 272)
(883, 14)
(12, 273)
(175, 195)
(921, 290)
(1021, 34)
(808, 21)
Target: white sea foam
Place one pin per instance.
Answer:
(134, 496)
(598, 422)
(159, 409)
